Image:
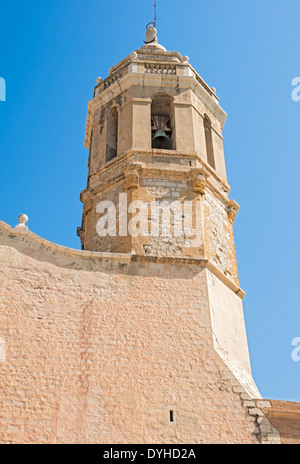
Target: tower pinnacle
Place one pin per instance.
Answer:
(151, 34)
(151, 37)
(151, 31)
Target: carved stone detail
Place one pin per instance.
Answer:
(232, 209)
(80, 234)
(132, 176)
(199, 180)
(87, 201)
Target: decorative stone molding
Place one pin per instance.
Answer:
(232, 209)
(87, 200)
(132, 176)
(199, 180)
(160, 68)
(80, 234)
(112, 79)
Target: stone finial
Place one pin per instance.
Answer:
(23, 219)
(151, 35)
(151, 41)
(99, 80)
(133, 55)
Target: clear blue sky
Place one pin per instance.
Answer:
(51, 54)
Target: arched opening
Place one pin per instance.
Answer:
(162, 122)
(209, 142)
(112, 135)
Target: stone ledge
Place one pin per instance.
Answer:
(60, 248)
(201, 262)
(180, 170)
(284, 414)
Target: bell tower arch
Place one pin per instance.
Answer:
(162, 122)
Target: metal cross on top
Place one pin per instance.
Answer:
(151, 32)
(155, 17)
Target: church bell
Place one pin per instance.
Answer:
(161, 140)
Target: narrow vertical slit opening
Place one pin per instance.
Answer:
(112, 135)
(209, 142)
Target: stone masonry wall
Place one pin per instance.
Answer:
(214, 230)
(103, 354)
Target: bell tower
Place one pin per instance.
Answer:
(139, 337)
(154, 132)
(157, 186)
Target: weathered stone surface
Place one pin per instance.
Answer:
(284, 416)
(102, 354)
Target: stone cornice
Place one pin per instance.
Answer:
(146, 171)
(131, 79)
(222, 191)
(142, 54)
(168, 154)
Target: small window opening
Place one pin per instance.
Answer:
(171, 416)
(112, 135)
(209, 142)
